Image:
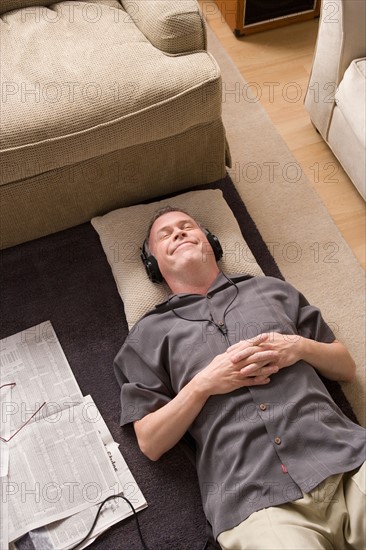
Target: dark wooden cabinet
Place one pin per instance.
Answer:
(250, 16)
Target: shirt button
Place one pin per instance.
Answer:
(262, 407)
(277, 440)
(209, 296)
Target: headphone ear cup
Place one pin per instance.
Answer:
(215, 245)
(153, 271)
(151, 266)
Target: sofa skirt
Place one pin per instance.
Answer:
(71, 195)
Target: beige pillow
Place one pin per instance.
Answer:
(123, 231)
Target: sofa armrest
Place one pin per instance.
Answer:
(173, 26)
(341, 38)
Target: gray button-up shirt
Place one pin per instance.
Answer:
(259, 446)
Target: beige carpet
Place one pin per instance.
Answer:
(306, 244)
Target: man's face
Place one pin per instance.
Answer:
(177, 242)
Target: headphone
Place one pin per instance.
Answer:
(151, 263)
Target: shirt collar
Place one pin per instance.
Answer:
(221, 281)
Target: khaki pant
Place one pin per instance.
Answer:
(331, 517)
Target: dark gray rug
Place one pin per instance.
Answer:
(65, 278)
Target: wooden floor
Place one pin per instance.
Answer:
(278, 63)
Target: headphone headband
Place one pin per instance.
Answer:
(151, 263)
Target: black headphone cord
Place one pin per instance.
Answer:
(144, 545)
(222, 329)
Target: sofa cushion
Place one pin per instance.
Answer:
(9, 5)
(173, 26)
(351, 98)
(81, 80)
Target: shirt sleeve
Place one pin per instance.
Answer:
(145, 385)
(310, 322)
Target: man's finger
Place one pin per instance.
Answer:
(256, 354)
(243, 344)
(259, 370)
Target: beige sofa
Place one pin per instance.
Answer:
(336, 95)
(104, 103)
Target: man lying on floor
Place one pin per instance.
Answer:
(235, 361)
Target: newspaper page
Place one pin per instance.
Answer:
(34, 360)
(4, 466)
(6, 401)
(59, 464)
(65, 534)
(4, 537)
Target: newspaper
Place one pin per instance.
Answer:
(63, 461)
(5, 432)
(66, 533)
(4, 469)
(4, 537)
